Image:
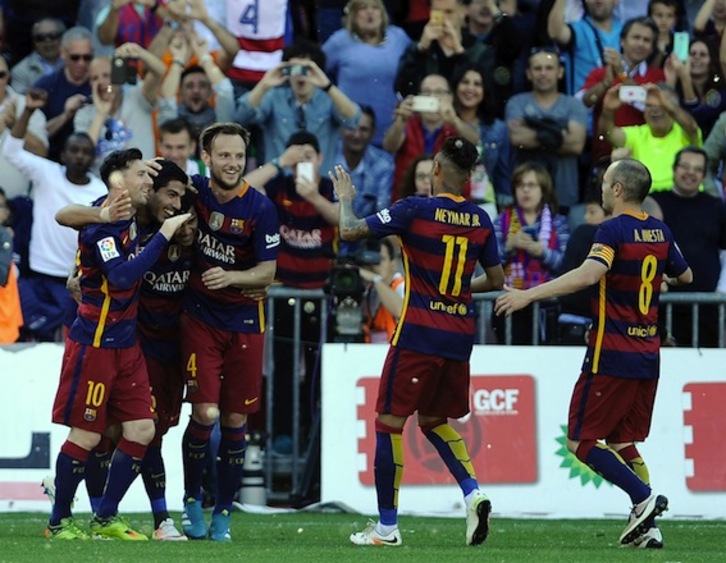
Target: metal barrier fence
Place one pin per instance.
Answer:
(300, 466)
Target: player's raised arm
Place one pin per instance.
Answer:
(350, 226)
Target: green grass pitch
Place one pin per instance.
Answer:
(313, 537)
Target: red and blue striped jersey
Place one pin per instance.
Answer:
(637, 250)
(161, 302)
(111, 265)
(442, 239)
(307, 240)
(236, 235)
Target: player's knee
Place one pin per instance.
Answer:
(572, 446)
(232, 419)
(205, 413)
(140, 431)
(581, 449)
(83, 438)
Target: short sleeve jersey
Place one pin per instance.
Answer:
(107, 315)
(161, 301)
(442, 240)
(236, 235)
(637, 250)
(307, 240)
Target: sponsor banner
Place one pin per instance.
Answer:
(516, 436)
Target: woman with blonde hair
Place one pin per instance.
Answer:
(532, 238)
(362, 59)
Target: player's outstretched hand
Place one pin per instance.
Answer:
(513, 300)
(342, 183)
(172, 224)
(120, 209)
(216, 278)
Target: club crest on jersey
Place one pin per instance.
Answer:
(216, 220)
(89, 415)
(107, 248)
(174, 253)
(236, 225)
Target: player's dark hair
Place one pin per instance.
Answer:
(457, 157)
(168, 173)
(176, 125)
(304, 49)
(691, 150)
(634, 177)
(118, 160)
(303, 138)
(206, 139)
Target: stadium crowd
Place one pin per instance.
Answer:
(549, 92)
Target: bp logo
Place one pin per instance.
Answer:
(576, 467)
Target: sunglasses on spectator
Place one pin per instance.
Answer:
(75, 58)
(50, 36)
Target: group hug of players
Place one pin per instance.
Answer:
(157, 313)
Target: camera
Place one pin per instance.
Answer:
(123, 71)
(347, 289)
(295, 70)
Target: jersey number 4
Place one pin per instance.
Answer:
(454, 260)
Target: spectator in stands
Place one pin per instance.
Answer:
(120, 116)
(532, 238)
(11, 315)
(52, 247)
(126, 21)
(384, 295)
(664, 15)
(370, 168)
(261, 39)
(197, 86)
(586, 38)
(297, 95)
(632, 68)
(698, 223)
(668, 128)
(715, 148)
(417, 179)
(474, 104)
(710, 21)
(575, 310)
(699, 83)
(69, 87)
(444, 45)
(308, 218)
(45, 58)
(19, 16)
(491, 25)
(416, 130)
(178, 144)
(549, 127)
(362, 59)
(14, 182)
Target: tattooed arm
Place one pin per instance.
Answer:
(350, 226)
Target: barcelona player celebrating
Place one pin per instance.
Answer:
(103, 376)
(612, 403)
(427, 367)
